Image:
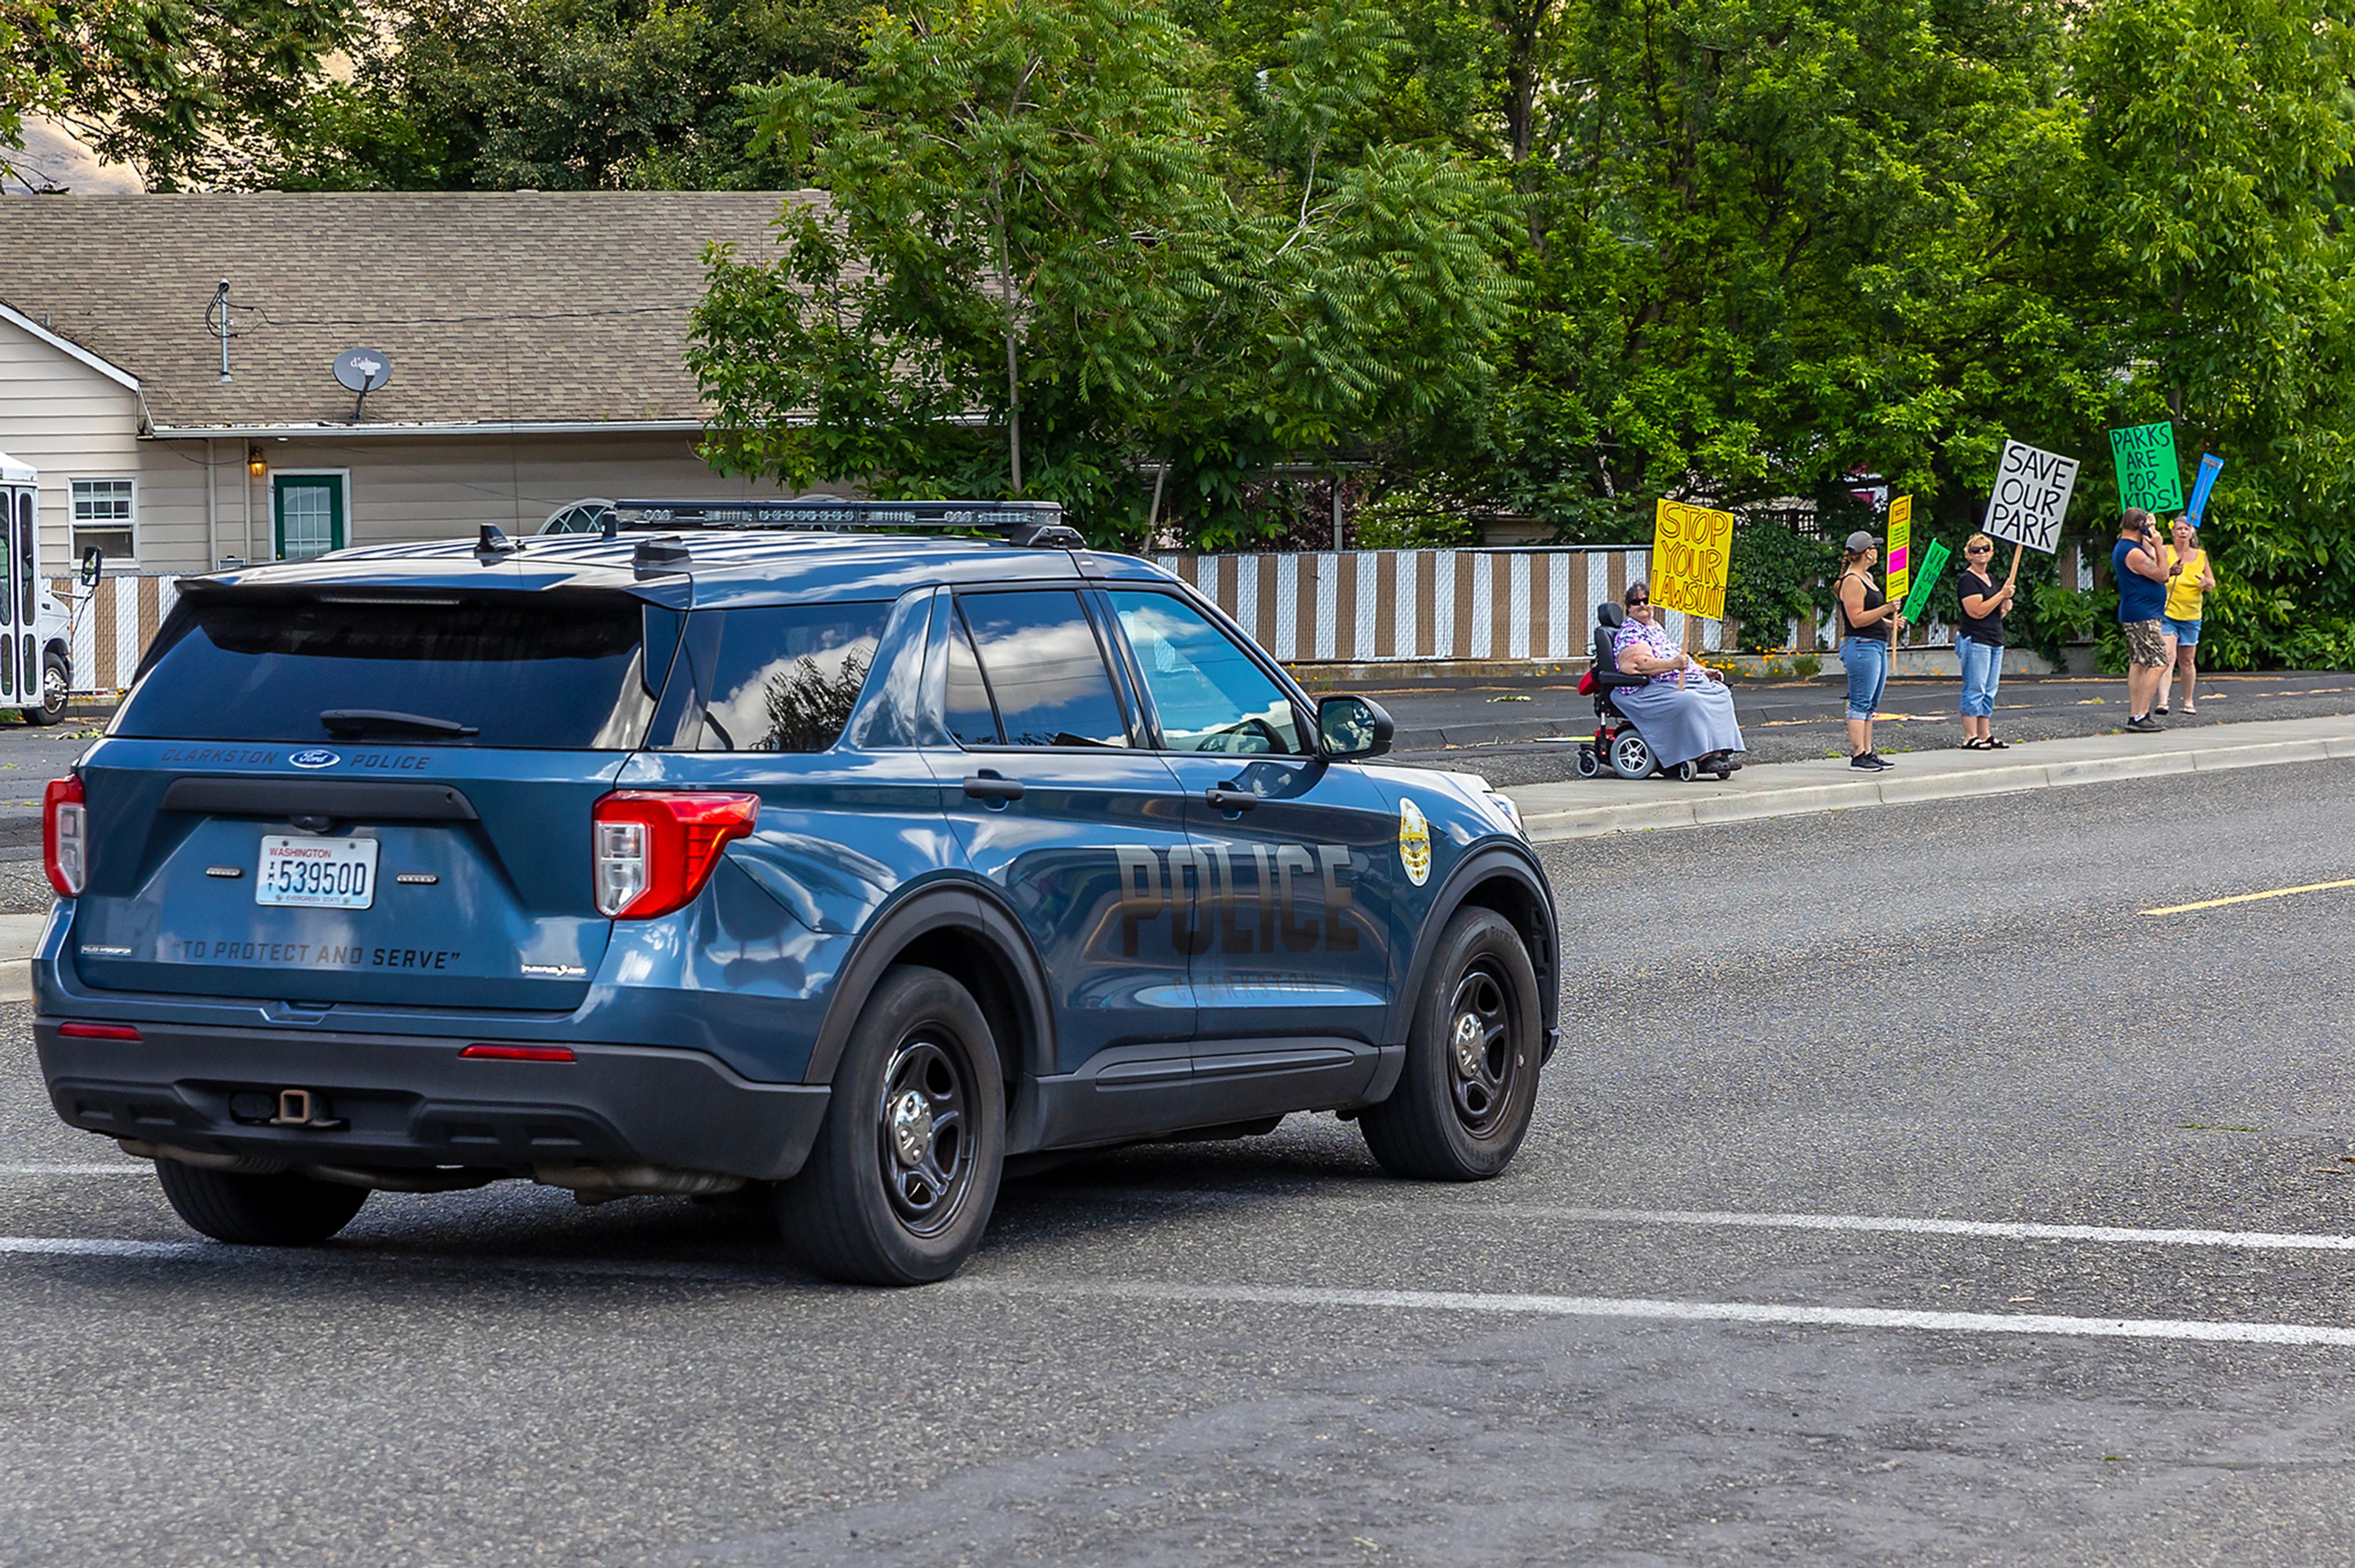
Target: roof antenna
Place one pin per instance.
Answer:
(216, 322)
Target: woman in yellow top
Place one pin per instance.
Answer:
(2189, 577)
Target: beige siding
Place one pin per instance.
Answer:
(423, 488)
(66, 419)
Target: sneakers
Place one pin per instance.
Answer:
(2145, 725)
(1869, 761)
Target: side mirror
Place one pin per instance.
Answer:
(1350, 727)
(93, 562)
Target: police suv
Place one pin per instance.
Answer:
(768, 851)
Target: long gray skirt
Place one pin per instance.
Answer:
(1682, 726)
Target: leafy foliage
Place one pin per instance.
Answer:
(189, 93)
(1056, 258)
(562, 94)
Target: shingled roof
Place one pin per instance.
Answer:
(495, 308)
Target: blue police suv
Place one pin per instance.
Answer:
(769, 852)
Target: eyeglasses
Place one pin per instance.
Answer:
(1980, 550)
(1638, 603)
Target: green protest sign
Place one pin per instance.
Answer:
(2149, 475)
(1933, 561)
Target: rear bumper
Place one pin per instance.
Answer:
(405, 1101)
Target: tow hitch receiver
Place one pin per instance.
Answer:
(301, 1108)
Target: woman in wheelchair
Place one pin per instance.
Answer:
(1683, 710)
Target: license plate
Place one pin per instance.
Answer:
(317, 873)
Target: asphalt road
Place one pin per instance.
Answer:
(1267, 1352)
(1525, 731)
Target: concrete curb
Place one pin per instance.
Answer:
(1558, 825)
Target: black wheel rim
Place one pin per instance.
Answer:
(922, 1142)
(1484, 1054)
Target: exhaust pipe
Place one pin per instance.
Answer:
(603, 1183)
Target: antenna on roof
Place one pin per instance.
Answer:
(216, 322)
(361, 370)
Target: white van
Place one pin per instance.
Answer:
(35, 636)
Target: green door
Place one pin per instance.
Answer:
(309, 509)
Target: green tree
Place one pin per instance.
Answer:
(561, 94)
(189, 95)
(1056, 256)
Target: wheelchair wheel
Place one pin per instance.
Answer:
(1588, 764)
(1686, 772)
(1630, 758)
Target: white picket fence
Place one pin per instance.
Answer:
(1381, 605)
(113, 621)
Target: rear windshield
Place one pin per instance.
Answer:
(552, 670)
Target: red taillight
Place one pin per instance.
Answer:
(518, 1053)
(65, 837)
(653, 850)
(99, 1031)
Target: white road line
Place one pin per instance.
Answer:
(1769, 1314)
(2269, 1241)
(68, 1169)
(103, 1247)
(1475, 1302)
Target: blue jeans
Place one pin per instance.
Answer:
(1982, 673)
(1868, 672)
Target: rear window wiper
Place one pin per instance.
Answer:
(347, 722)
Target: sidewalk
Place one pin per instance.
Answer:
(1588, 808)
(19, 934)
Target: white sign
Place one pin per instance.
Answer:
(2030, 496)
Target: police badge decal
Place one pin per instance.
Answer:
(1414, 843)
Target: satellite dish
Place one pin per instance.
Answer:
(363, 370)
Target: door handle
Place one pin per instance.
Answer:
(987, 786)
(1226, 798)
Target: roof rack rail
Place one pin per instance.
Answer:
(1030, 522)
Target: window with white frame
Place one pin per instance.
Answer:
(106, 514)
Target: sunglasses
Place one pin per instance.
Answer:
(1980, 550)
(1638, 603)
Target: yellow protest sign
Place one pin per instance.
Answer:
(1692, 550)
(1899, 567)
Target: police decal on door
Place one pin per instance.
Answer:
(1294, 898)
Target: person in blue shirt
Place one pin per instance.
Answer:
(2138, 565)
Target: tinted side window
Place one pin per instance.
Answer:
(1207, 692)
(972, 721)
(1040, 654)
(785, 678)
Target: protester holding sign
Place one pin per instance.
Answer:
(2189, 581)
(1865, 619)
(2141, 576)
(1684, 712)
(1978, 639)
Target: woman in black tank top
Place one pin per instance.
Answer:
(1866, 619)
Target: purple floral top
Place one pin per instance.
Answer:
(1656, 644)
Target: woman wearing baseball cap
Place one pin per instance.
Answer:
(1866, 620)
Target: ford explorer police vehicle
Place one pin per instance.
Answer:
(794, 856)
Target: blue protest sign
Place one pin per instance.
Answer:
(2210, 465)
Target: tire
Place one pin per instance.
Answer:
(1588, 764)
(1630, 758)
(56, 680)
(1687, 772)
(283, 1210)
(881, 1199)
(1446, 1121)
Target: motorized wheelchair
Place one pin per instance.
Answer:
(1618, 745)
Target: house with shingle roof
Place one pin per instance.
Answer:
(535, 343)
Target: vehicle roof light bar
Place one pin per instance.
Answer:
(1021, 522)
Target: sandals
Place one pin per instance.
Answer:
(1986, 743)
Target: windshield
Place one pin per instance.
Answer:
(551, 670)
